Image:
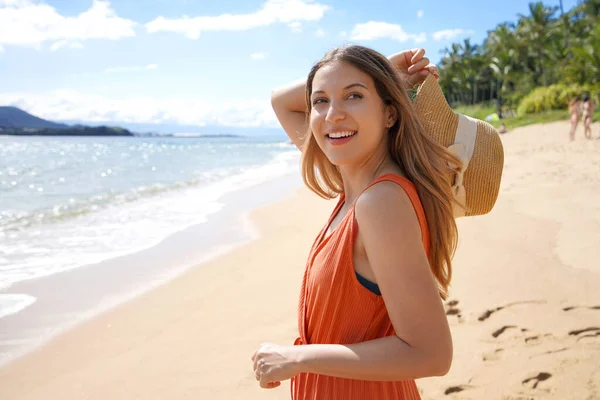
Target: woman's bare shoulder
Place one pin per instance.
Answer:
(388, 205)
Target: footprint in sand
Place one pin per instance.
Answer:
(588, 307)
(500, 331)
(456, 389)
(534, 381)
(550, 352)
(533, 340)
(590, 332)
(488, 313)
(495, 355)
(536, 339)
(451, 309)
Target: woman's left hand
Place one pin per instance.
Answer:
(413, 65)
(274, 363)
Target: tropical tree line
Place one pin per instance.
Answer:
(549, 46)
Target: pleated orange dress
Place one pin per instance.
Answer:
(335, 308)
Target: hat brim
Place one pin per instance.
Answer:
(484, 173)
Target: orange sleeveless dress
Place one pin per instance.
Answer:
(335, 308)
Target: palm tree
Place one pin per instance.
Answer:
(539, 29)
(565, 19)
(587, 57)
(539, 49)
(502, 64)
(471, 54)
(589, 8)
(451, 74)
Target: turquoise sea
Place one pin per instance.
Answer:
(70, 202)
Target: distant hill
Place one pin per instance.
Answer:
(14, 121)
(79, 130)
(13, 117)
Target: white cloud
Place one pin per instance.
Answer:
(320, 33)
(448, 34)
(13, 2)
(295, 26)
(343, 34)
(148, 67)
(1, 49)
(258, 56)
(66, 104)
(271, 12)
(66, 43)
(373, 30)
(420, 14)
(25, 23)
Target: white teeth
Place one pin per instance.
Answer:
(338, 135)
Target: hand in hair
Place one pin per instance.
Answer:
(413, 65)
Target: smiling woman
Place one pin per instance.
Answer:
(370, 315)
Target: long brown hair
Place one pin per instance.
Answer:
(424, 161)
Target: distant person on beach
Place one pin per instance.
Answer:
(371, 316)
(502, 128)
(575, 112)
(588, 115)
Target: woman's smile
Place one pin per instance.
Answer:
(337, 138)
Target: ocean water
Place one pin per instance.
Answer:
(69, 202)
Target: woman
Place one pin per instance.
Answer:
(575, 112)
(588, 115)
(371, 318)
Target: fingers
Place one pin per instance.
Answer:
(420, 73)
(433, 70)
(417, 54)
(411, 56)
(419, 65)
(258, 363)
(264, 381)
(262, 377)
(404, 59)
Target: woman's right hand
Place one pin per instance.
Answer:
(413, 65)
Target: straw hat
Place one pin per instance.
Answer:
(475, 142)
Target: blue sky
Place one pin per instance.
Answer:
(203, 62)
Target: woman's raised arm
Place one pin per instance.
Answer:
(289, 105)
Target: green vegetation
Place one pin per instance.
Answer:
(527, 119)
(554, 97)
(78, 130)
(527, 70)
(481, 111)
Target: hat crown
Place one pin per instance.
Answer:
(476, 186)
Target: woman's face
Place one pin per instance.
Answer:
(348, 118)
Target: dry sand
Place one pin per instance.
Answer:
(524, 305)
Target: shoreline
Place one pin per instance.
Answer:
(99, 287)
(202, 323)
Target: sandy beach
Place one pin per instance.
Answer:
(524, 304)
